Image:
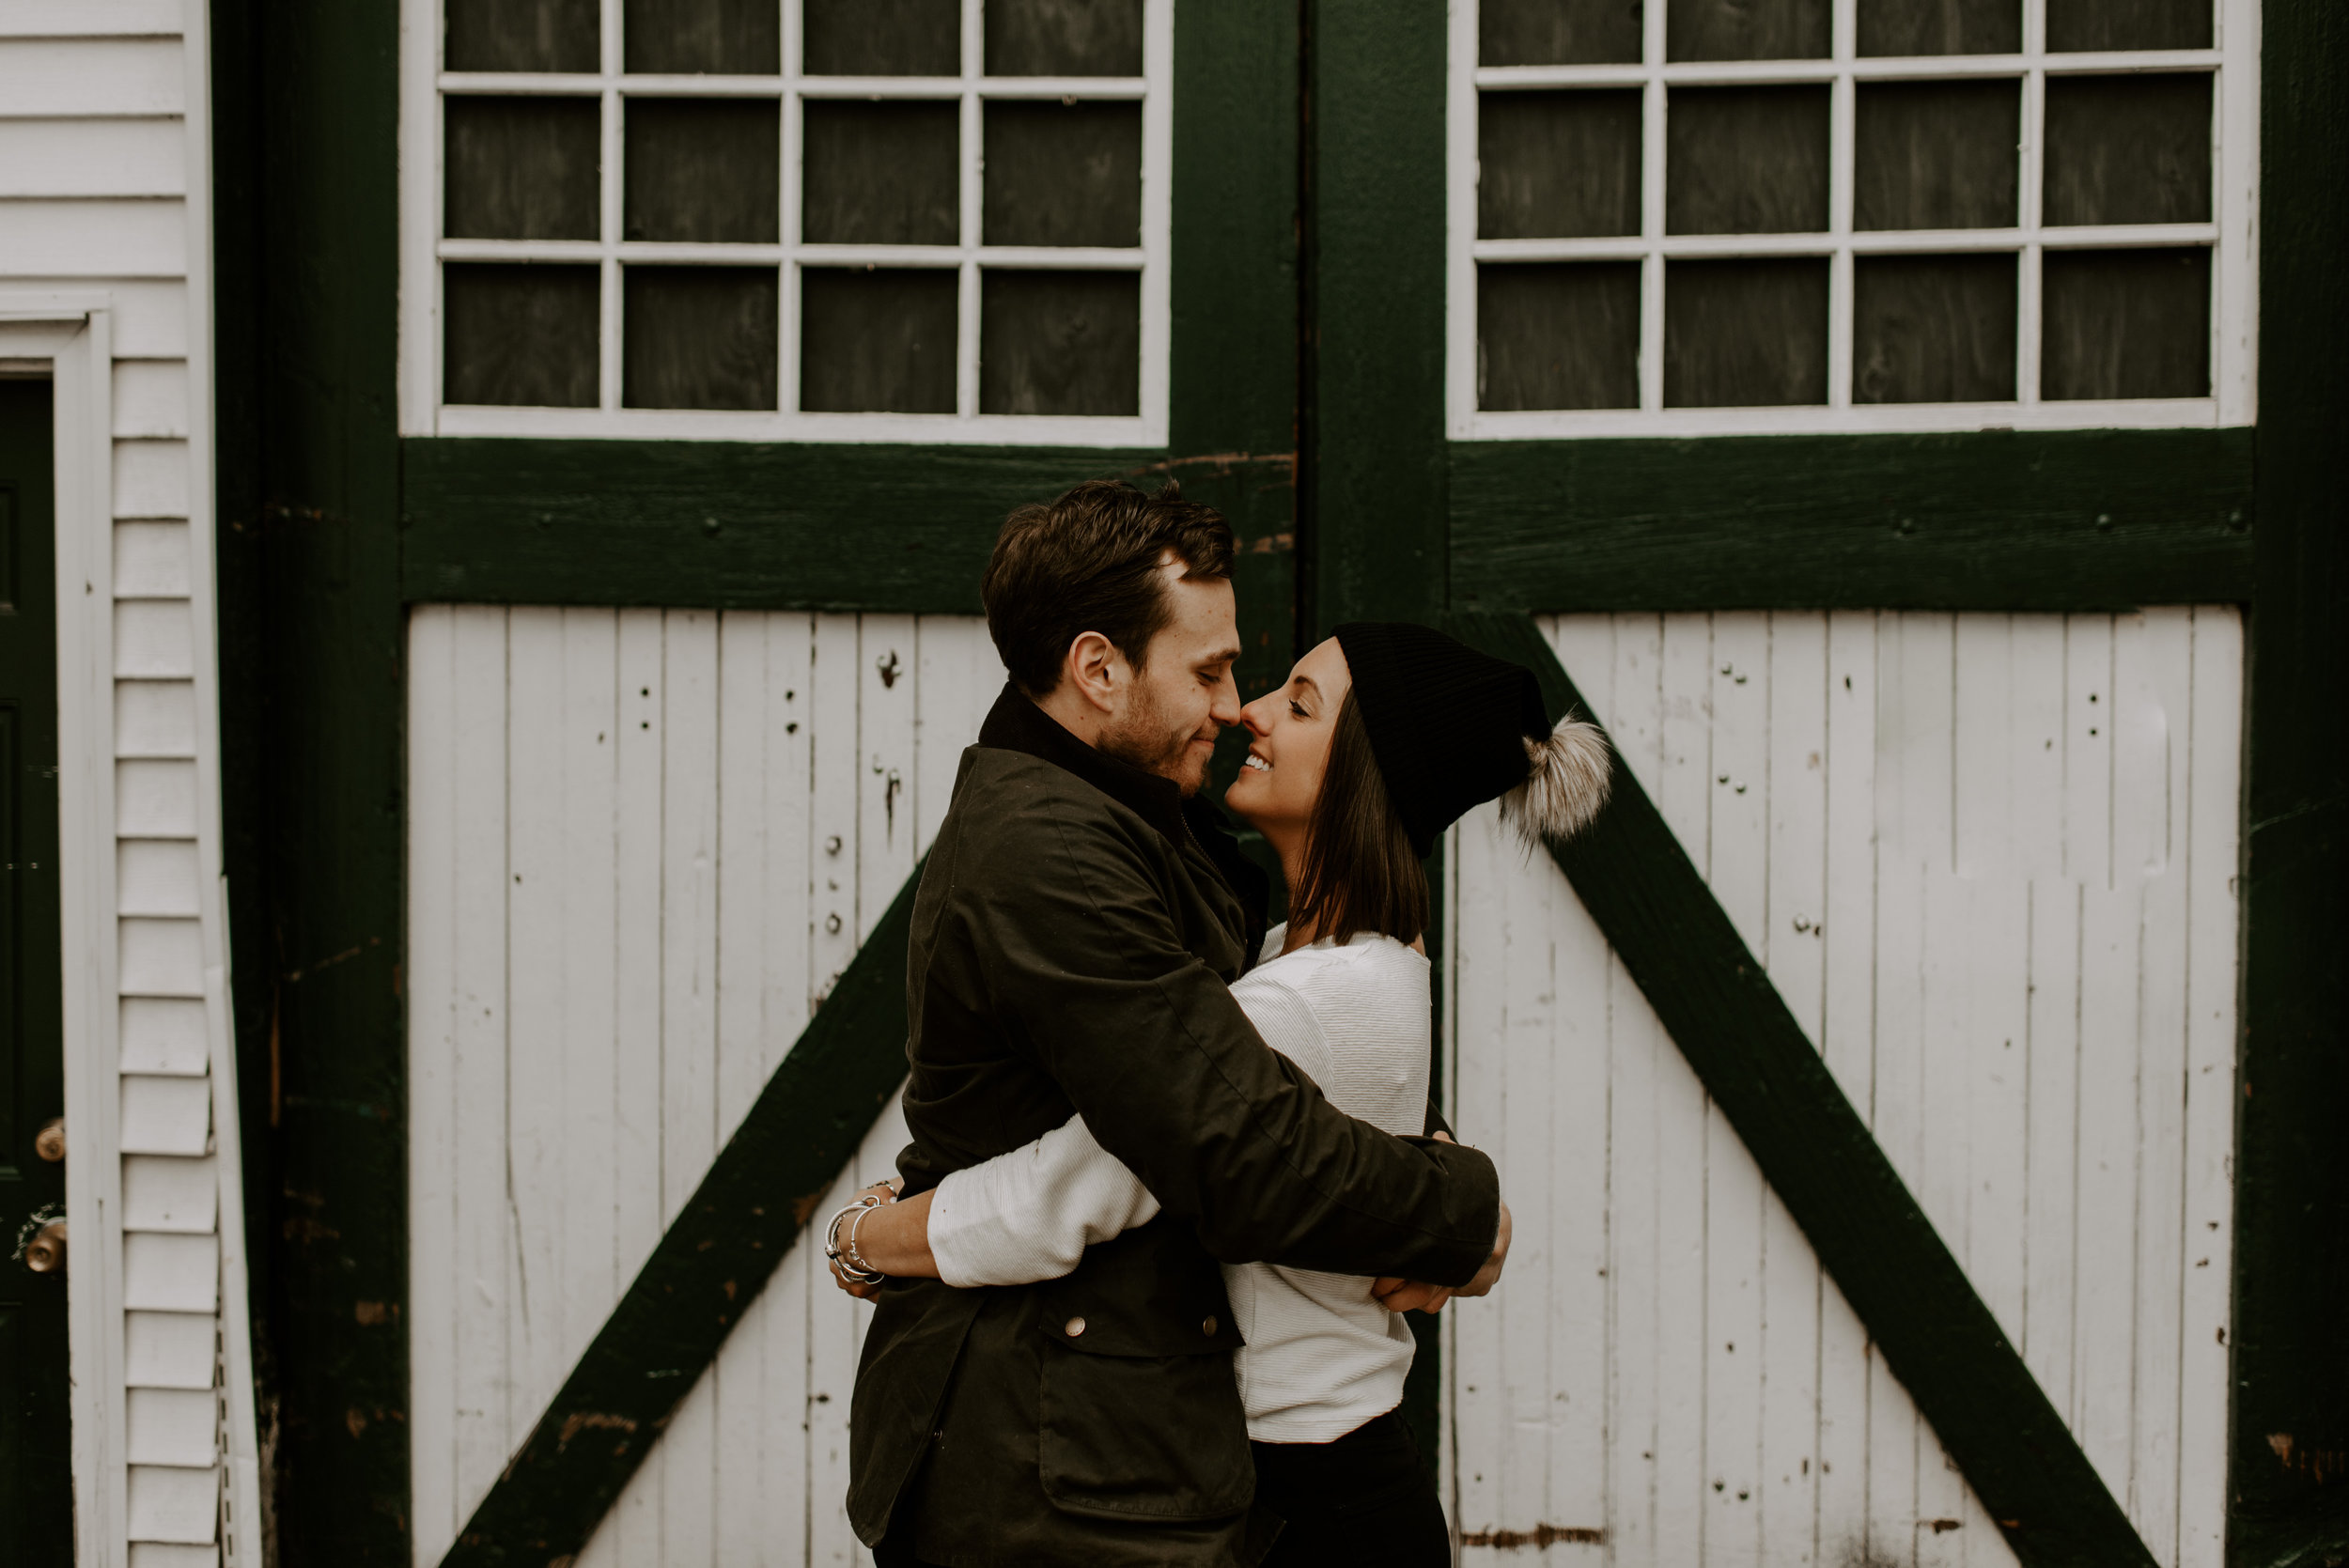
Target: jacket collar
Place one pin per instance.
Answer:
(1016, 724)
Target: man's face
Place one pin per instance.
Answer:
(1183, 696)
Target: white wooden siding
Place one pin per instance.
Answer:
(103, 194)
(641, 846)
(1989, 861)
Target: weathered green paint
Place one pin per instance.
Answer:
(1770, 1080)
(306, 229)
(1374, 522)
(2288, 1483)
(2086, 520)
(752, 1208)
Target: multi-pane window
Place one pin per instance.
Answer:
(919, 220)
(1754, 215)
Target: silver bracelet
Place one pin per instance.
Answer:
(851, 1264)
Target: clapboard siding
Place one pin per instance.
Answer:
(1988, 862)
(95, 168)
(641, 846)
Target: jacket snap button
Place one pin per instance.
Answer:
(1208, 1327)
(1076, 1326)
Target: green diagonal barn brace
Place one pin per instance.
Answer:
(1717, 1003)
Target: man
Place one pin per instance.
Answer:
(1078, 924)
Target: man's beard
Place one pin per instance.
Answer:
(1144, 742)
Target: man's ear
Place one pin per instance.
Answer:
(1095, 670)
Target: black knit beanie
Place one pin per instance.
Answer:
(1448, 725)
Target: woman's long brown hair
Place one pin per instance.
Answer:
(1360, 872)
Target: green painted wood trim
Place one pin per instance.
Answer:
(719, 525)
(1376, 521)
(306, 238)
(1819, 1157)
(2086, 520)
(753, 1207)
(2288, 1482)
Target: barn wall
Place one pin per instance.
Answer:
(103, 197)
(642, 845)
(1989, 861)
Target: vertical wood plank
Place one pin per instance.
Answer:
(1797, 897)
(2212, 809)
(1477, 1357)
(745, 777)
(2153, 724)
(689, 977)
(832, 723)
(888, 659)
(1580, 1156)
(1681, 784)
(837, 766)
(636, 966)
(1737, 867)
(590, 749)
(431, 1079)
(537, 1034)
(1847, 1040)
(1638, 1055)
(477, 940)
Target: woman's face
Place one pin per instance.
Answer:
(1289, 731)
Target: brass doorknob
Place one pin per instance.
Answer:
(49, 1142)
(45, 1252)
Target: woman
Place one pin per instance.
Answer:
(1383, 736)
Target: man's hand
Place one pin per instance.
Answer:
(1403, 1295)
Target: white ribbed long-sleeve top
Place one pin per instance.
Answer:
(1322, 1355)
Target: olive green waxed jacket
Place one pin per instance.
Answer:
(1075, 934)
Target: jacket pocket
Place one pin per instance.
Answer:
(1143, 1436)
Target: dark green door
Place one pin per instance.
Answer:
(36, 1471)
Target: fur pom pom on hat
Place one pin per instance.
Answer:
(1453, 728)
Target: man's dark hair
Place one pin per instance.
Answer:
(1360, 873)
(1088, 562)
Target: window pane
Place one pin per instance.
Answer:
(1059, 343)
(704, 169)
(1558, 31)
(877, 340)
(1744, 333)
(1933, 329)
(699, 337)
(2125, 324)
(1937, 154)
(1558, 337)
(1557, 165)
(519, 335)
(2084, 24)
(1746, 30)
(523, 35)
(2128, 149)
(881, 174)
(1062, 174)
(521, 168)
(1940, 26)
(882, 38)
(1064, 37)
(1746, 161)
(722, 38)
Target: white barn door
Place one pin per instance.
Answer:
(642, 845)
(1989, 862)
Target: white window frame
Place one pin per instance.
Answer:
(423, 83)
(2234, 237)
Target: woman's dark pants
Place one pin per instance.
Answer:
(1363, 1501)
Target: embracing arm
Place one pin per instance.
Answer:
(1174, 1081)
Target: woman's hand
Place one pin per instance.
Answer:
(892, 1239)
(887, 1192)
